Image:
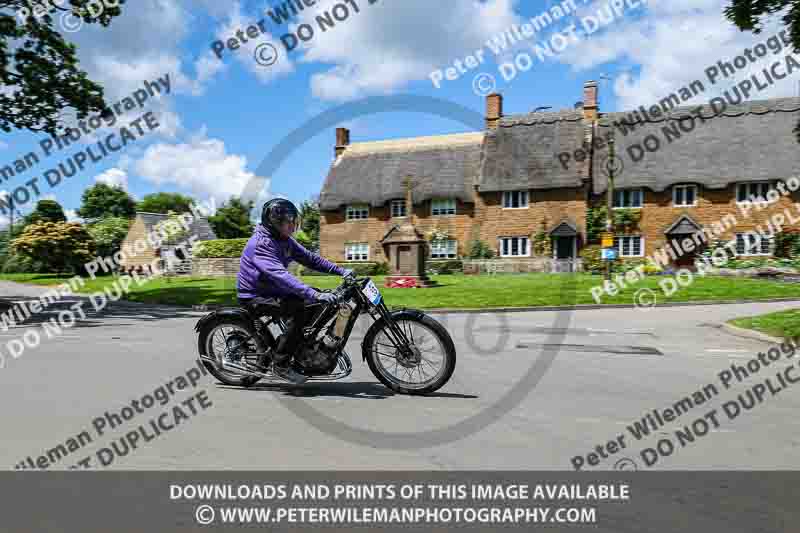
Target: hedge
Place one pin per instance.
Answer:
(444, 266)
(219, 248)
(360, 269)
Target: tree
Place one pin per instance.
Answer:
(60, 246)
(749, 15)
(102, 200)
(46, 211)
(39, 70)
(232, 220)
(309, 222)
(164, 202)
(108, 234)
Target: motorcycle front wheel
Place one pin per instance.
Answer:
(427, 369)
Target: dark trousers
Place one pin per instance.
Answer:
(294, 311)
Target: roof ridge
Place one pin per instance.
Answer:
(749, 107)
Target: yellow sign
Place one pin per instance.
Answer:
(607, 240)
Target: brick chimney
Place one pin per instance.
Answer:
(494, 110)
(342, 140)
(590, 101)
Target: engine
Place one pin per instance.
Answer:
(320, 357)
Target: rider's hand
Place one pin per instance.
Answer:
(348, 273)
(326, 297)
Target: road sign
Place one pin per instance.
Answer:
(609, 254)
(607, 242)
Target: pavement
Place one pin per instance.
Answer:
(505, 407)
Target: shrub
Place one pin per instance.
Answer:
(360, 269)
(219, 248)
(480, 250)
(787, 243)
(592, 259)
(448, 266)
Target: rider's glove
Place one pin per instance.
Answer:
(348, 273)
(326, 297)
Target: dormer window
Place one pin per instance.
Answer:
(398, 208)
(357, 212)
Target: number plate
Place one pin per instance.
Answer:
(372, 293)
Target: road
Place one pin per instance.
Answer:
(610, 368)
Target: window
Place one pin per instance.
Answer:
(398, 208)
(749, 244)
(749, 192)
(684, 195)
(514, 247)
(357, 212)
(357, 251)
(627, 198)
(444, 249)
(515, 199)
(443, 207)
(629, 246)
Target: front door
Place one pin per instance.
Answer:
(687, 259)
(565, 247)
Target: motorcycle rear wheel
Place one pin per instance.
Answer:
(208, 345)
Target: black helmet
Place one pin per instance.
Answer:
(276, 212)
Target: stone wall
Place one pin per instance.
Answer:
(519, 266)
(215, 266)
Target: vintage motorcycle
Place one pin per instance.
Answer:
(407, 350)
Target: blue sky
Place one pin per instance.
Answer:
(223, 117)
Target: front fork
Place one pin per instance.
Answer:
(397, 335)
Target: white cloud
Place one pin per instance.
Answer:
(669, 46)
(389, 44)
(72, 215)
(202, 166)
(115, 177)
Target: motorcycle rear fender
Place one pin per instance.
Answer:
(235, 312)
(378, 325)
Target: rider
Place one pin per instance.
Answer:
(264, 280)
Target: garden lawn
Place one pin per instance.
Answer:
(459, 291)
(784, 324)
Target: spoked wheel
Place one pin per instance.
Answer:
(424, 368)
(232, 342)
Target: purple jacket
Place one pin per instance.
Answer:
(263, 265)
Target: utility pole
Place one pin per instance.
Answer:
(610, 198)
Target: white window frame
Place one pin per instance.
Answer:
(443, 207)
(398, 205)
(502, 243)
(628, 190)
(356, 212)
(619, 244)
(508, 199)
(758, 242)
(449, 247)
(752, 187)
(353, 251)
(684, 188)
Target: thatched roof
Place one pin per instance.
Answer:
(752, 141)
(444, 166)
(199, 225)
(522, 153)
